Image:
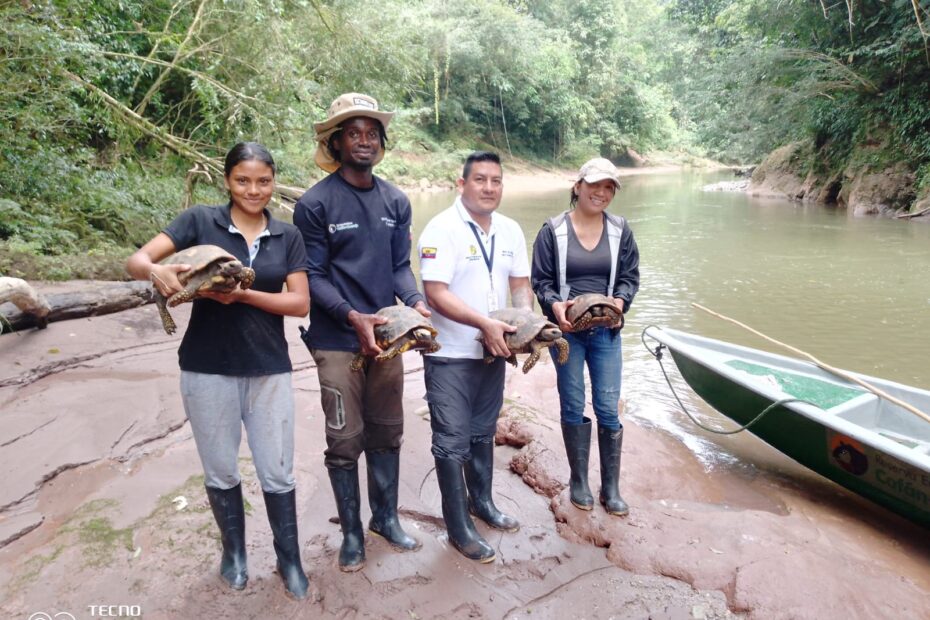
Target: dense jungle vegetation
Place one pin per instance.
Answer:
(107, 104)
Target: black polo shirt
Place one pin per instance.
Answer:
(238, 339)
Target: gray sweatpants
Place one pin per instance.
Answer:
(218, 405)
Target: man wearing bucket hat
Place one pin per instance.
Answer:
(356, 227)
(588, 250)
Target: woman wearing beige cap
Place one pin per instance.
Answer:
(587, 250)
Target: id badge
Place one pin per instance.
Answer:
(492, 300)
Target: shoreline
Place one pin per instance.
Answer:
(98, 454)
(524, 177)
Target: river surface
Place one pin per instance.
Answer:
(854, 292)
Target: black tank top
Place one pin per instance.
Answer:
(587, 272)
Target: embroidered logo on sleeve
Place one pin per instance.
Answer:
(428, 253)
(342, 226)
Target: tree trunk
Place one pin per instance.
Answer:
(106, 299)
(31, 304)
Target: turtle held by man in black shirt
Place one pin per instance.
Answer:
(534, 333)
(405, 330)
(213, 269)
(594, 310)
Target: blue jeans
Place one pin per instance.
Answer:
(599, 347)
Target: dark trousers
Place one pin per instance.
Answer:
(364, 409)
(465, 398)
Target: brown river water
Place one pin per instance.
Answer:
(854, 292)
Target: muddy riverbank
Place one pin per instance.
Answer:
(102, 504)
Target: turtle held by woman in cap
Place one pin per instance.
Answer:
(213, 270)
(405, 330)
(534, 333)
(594, 310)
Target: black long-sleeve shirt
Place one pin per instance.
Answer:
(358, 254)
(545, 269)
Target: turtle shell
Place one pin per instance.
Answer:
(201, 258)
(592, 310)
(528, 324)
(401, 321)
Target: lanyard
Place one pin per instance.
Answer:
(489, 262)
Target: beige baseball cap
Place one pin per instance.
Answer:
(598, 169)
(344, 107)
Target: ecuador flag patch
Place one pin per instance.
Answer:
(428, 253)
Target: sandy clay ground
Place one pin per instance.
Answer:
(102, 503)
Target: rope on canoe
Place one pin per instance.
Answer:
(657, 353)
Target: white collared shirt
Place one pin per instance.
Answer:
(449, 253)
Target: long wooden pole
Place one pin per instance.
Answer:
(836, 371)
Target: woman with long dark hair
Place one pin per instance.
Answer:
(588, 250)
(234, 362)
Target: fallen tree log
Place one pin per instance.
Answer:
(95, 301)
(18, 293)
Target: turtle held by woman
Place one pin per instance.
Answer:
(405, 330)
(534, 333)
(594, 310)
(213, 269)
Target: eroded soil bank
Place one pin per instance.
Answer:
(102, 504)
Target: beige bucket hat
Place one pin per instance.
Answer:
(598, 169)
(344, 107)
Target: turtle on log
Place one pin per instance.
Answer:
(405, 330)
(213, 269)
(534, 333)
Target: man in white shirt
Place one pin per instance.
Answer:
(470, 259)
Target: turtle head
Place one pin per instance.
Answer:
(550, 334)
(230, 268)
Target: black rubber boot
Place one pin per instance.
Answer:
(282, 515)
(230, 517)
(479, 474)
(577, 438)
(462, 532)
(383, 471)
(609, 444)
(345, 488)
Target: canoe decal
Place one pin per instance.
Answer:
(883, 472)
(848, 454)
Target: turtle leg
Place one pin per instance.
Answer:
(182, 296)
(357, 363)
(531, 360)
(246, 278)
(562, 345)
(512, 360)
(162, 303)
(393, 351)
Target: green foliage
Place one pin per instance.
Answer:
(839, 74)
(103, 102)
